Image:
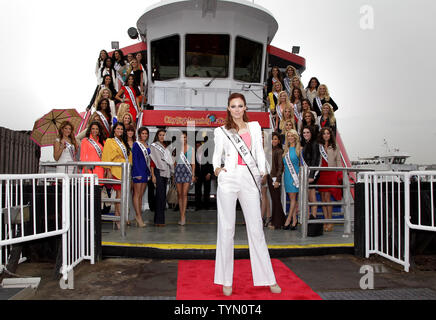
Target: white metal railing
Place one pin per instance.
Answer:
(388, 208)
(177, 97)
(46, 205)
(78, 243)
(124, 182)
(15, 211)
(347, 203)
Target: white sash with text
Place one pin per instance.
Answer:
(292, 171)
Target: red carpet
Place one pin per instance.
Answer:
(195, 282)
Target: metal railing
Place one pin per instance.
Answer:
(177, 97)
(388, 207)
(347, 202)
(124, 182)
(78, 243)
(15, 212)
(41, 206)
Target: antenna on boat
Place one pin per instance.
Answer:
(385, 143)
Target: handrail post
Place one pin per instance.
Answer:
(407, 221)
(375, 214)
(367, 217)
(347, 204)
(303, 200)
(125, 185)
(300, 198)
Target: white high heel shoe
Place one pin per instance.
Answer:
(227, 291)
(275, 288)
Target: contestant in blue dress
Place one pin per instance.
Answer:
(293, 149)
(140, 172)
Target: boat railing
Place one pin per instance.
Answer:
(210, 98)
(347, 202)
(124, 182)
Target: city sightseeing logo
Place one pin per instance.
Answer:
(212, 118)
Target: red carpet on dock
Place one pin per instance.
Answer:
(195, 282)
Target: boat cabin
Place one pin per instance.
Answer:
(200, 51)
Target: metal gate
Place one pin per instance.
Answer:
(392, 208)
(68, 210)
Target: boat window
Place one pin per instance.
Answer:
(207, 55)
(165, 58)
(248, 60)
(400, 160)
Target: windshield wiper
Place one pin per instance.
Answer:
(210, 82)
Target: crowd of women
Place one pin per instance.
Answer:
(122, 83)
(304, 134)
(112, 135)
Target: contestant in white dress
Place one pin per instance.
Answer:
(65, 147)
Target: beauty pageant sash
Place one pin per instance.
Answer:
(246, 155)
(292, 171)
(123, 148)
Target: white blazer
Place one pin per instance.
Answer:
(224, 149)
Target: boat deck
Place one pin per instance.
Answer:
(197, 239)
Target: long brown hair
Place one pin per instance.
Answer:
(72, 137)
(332, 141)
(230, 124)
(131, 128)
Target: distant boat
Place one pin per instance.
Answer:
(391, 160)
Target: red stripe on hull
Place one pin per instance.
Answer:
(179, 118)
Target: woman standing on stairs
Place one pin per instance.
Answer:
(291, 160)
(330, 157)
(239, 179)
(116, 149)
(274, 181)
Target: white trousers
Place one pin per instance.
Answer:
(233, 185)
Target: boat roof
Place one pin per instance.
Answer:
(393, 155)
(243, 6)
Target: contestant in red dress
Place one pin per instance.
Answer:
(330, 157)
(131, 95)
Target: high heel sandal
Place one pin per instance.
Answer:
(267, 221)
(275, 288)
(140, 224)
(292, 226)
(227, 291)
(182, 222)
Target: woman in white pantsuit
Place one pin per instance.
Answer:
(235, 182)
